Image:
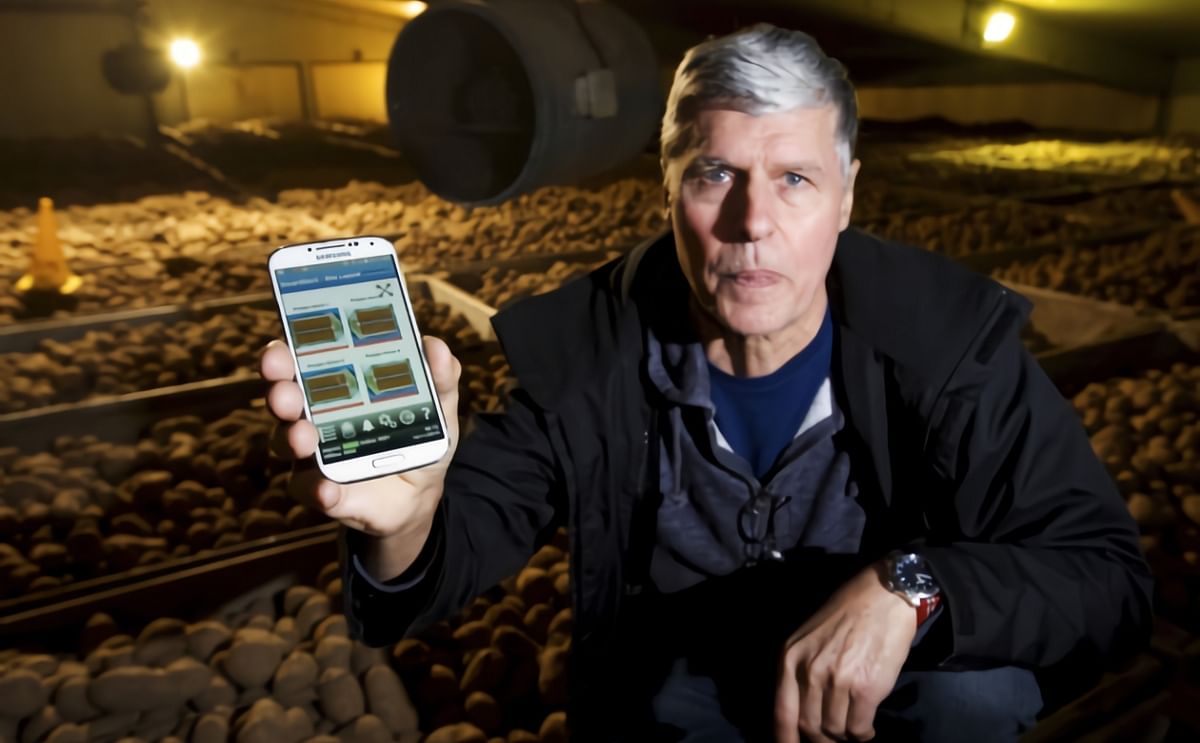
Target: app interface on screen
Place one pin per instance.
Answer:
(359, 363)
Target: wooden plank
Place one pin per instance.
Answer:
(182, 588)
(23, 337)
(125, 418)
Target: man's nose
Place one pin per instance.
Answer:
(756, 210)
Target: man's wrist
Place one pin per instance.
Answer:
(907, 575)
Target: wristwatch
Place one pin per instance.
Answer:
(907, 575)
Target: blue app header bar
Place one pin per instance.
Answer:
(335, 273)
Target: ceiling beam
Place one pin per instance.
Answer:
(959, 24)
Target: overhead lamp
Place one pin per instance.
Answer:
(185, 53)
(999, 26)
(412, 8)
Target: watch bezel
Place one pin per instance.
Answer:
(900, 562)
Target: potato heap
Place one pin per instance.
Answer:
(281, 669)
(876, 199)
(1146, 430)
(284, 668)
(266, 156)
(127, 358)
(498, 671)
(89, 507)
(486, 377)
(180, 255)
(1140, 204)
(1159, 271)
(433, 234)
(502, 286)
(156, 228)
(987, 229)
(1146, 159)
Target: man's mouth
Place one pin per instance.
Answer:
(752, 279)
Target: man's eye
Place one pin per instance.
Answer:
(794, 179)
(716, 175)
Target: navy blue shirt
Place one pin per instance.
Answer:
(759, 416)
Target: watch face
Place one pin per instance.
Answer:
(911, 575)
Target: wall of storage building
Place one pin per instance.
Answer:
(61, 90)
(1183, 114)
(261, 58)
(1077, 106)
(275, 58)
(1072, 106)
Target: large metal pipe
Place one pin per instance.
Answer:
(492, 99)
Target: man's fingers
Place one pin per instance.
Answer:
(811, 696)
(302, 438)
(446, 371)
(860, 719)
(285, 401)
(276, 362)
(442, 365)
(293, 441)
(787, 704)
(834, 710)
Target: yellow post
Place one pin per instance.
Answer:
(48, 269)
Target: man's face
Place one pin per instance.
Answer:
(757, 208)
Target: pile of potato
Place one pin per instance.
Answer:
(89, 507)
(1146, 430)
(499, 670)
(1141, 204)
(264, 156)
(165, 250)
(127, 358)
(282, 669)
(1148, 159)
(432, 233)
(155, 228)
(502, 286)
(876, 198)
(1158, 271)
(1003, 225)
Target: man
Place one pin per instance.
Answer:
(813, 483)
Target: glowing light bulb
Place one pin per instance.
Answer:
(999, 27)
(185, 53)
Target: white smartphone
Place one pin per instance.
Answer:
(359, 358)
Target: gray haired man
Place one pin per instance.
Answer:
(813, 483)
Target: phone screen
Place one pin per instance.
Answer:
(360, 365)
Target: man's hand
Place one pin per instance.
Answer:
(398, 509)
(843, 662)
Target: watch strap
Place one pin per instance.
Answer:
(926, 607)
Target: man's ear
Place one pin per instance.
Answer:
(848, 196)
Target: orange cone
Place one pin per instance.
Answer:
(48, 269)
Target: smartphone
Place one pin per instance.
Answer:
(359, 359)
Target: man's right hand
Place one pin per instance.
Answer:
(395, 509)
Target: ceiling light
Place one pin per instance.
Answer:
(185, 53)
(412, 8)
(999, 27)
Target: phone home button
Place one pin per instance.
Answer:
(388, 461)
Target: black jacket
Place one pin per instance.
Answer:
(964, 448)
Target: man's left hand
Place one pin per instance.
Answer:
(843, 662)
